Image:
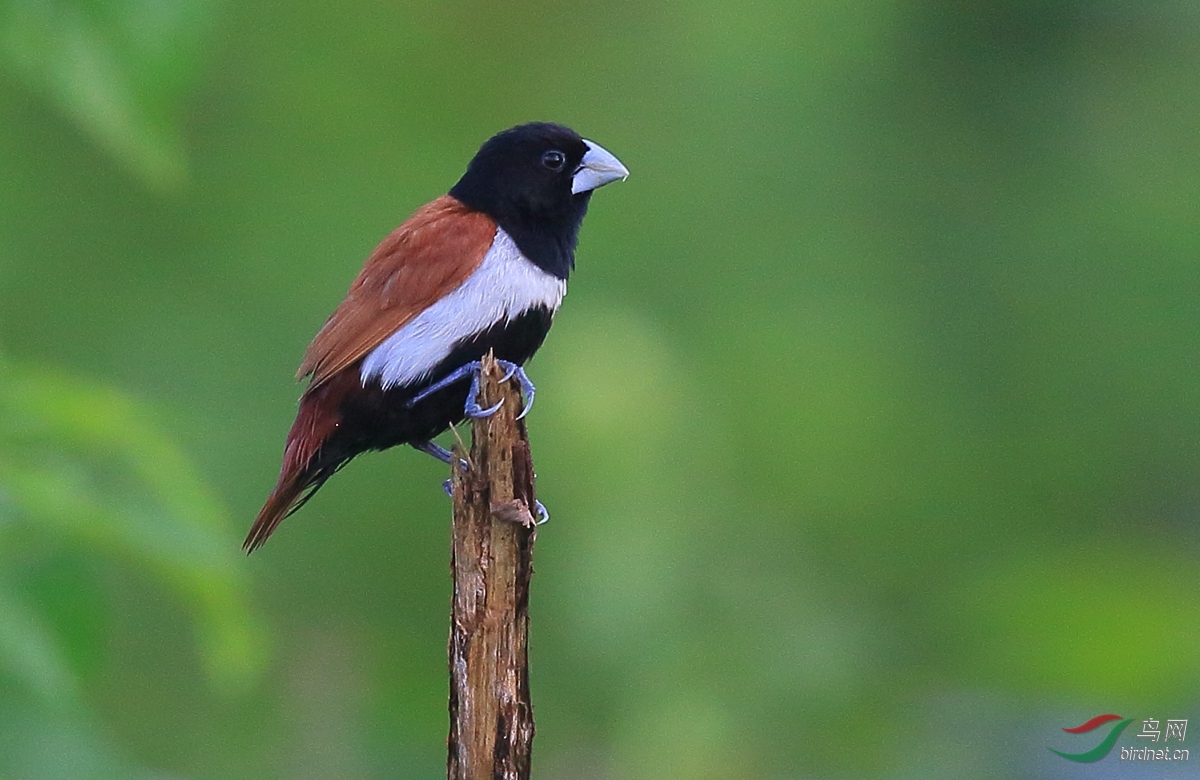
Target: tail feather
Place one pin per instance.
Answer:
(304, 468)
(284, 499)
(287, 497)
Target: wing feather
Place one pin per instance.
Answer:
(432, 253)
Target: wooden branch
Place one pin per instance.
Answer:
(491, 716)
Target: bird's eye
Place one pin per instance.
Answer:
(554, 160)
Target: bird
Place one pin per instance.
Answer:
(482, 268)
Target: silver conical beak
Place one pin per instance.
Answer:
(597, 168)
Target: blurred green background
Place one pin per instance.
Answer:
(870, 426)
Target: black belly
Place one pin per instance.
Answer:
(376, 419)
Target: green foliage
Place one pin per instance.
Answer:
(118, 69)
(869, 426)
(84, 467)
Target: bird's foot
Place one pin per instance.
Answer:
(543, 514)
(517, 511)
(442, 454)
(439, 452)
(472, 407)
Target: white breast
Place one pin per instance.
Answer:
(504, 285)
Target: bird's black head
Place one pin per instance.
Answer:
(535, 180)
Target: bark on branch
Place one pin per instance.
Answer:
(491, 716)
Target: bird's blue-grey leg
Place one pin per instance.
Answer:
(543, 514)
(442, 454)
(436, 450)
(472, 407)
(445, 456)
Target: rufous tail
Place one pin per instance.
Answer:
(304, 469)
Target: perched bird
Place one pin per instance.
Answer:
(482, 268)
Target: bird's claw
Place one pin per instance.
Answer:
(472, 408)
(543, 514)
(527, 388)
(439, 452)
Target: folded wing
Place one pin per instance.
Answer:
(422, 260)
